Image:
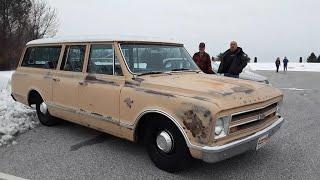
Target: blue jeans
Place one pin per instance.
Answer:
(231, 75)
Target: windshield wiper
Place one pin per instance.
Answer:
(184, 69)
(181, 69)
(151, 72)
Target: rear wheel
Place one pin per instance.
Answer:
(43, 114)
(166, 146)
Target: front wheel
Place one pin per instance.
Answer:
(43, 114)
(166, 146)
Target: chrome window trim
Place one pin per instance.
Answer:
(124, 59)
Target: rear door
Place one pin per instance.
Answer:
(35, 71)
(65, 93)
(100, 89)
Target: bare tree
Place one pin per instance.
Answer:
(43, 20)
(14, 15)
(20, 22)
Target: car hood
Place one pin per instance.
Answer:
(223, 91)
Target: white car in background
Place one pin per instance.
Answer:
(246, 74)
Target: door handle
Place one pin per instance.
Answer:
(56, 79)
(82, 83)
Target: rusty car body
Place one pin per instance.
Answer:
(101, 83)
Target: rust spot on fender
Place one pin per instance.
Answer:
(197, 120)
(129, 102)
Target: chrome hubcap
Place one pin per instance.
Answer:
(165, 141)
(43, 108)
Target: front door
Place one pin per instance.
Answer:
(100, 89)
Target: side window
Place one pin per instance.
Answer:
(73, 58)
(45, 57)
(102, 60)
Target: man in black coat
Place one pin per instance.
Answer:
(233, 61)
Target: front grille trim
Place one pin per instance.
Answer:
(253, 118)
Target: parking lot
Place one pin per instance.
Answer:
(70, 151)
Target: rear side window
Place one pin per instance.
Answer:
(42, 57)
(73, 58)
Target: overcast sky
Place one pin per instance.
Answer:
(264, 28)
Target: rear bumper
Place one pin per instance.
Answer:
(219, 153)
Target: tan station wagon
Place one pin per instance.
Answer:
(150, 92)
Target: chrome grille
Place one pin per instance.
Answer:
(252, 118)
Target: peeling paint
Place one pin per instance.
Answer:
(159, 93)
(197, 120)
(242, 89)
(129, 102)
(94, 80)
(149, 91)
(131, 84)
(201, 98)
(220, 93)
(140, 80)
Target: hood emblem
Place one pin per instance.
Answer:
(261, 116)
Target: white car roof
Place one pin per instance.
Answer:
(101, 38)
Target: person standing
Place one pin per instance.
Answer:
(278, 64)
(203, 60)
(285, 64)
(233, 61)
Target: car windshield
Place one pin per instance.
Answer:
(150, 58)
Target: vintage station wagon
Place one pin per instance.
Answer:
(146, 91)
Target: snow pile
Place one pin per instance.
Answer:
(312, 67)
(15, 118)
(5, 77)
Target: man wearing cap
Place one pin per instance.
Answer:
(203, 60)
(233, 61)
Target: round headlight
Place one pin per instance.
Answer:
(219, 127)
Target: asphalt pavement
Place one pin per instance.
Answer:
(70, 151)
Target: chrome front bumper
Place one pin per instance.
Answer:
(219, 153)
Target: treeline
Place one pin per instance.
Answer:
(313, 58)
(20, 22)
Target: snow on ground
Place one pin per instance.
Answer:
(15, 118)
(313, 67)
(5, 77)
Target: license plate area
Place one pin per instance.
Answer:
(262, 141)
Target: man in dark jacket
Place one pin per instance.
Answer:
(233, 61)
(285, 64)
(203, 60)
(278, 64)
